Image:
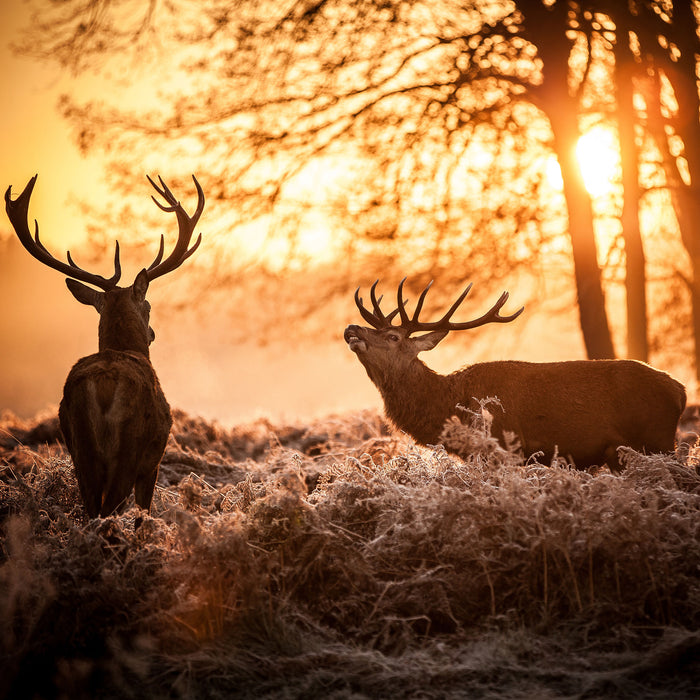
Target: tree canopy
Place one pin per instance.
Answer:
(421, 129)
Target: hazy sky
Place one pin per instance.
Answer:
(44, 331)
(34, 139)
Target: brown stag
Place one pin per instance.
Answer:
(582, 410)
(113, 414)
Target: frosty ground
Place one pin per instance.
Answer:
(338, 559)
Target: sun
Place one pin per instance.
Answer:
(599, 159)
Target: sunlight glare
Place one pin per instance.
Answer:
(553, 173)
(599, 160)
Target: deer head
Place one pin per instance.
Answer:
(124, 312)
(389, 347)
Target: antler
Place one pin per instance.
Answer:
(377, 319)
(186, 225)
(17, 211)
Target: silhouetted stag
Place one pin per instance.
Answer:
(113, 415)
(582, 410)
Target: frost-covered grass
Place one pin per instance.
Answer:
(339, 560)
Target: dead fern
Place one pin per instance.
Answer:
(337, 559)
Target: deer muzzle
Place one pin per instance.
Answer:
(353, 337)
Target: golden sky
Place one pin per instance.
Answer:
(44, 331)
(34, 139)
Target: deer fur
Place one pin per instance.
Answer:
(581, 410)
(114, 416)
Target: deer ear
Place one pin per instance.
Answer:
(428, 341)
(86, 295)
(140, 286)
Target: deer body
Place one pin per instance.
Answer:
(582, 410)
(116, 422)
(113, 414)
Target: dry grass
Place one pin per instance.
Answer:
(339, 560)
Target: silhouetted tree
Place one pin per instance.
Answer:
(669, 37)
(549, 26)
(627, 67)
(416, 101)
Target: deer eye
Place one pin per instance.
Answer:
(393, 337)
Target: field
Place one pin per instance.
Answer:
(337, 559)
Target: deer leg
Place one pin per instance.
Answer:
(114, 501)
(92, 495)
(147, 473)
(90, 482)
(612, 460)
(143, 490)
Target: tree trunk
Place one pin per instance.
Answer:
(547, 27)
(682, 75)
(635, 263)
(688, 215)
(591, 300)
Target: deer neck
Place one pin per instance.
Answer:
(418, 400)
(123, 330)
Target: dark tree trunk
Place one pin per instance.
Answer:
(682, 74)
(547, 28)
(591, 300)
(635, 262)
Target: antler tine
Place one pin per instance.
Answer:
(421, 299)
(161, 249)
(414, 325)
(376, 302)
(407, 322)
(186, 225)
(365, 313)
(376, 318)
(491, 316)
(165, 192)
(386, 319)
(390, 316)
(446, 318)
(402, 304)
(117, 266)
(17, 212)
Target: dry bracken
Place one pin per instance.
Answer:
(332, 560)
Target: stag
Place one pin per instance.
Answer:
(113, 415)
(581, 410)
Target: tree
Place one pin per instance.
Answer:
(626, 69)
(415, 90)
(549, 25)
(671, 46)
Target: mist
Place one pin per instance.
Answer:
(213, 361)
(198, 355)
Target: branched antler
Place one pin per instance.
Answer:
(17, 211)
(186, 226)
(377, 319)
